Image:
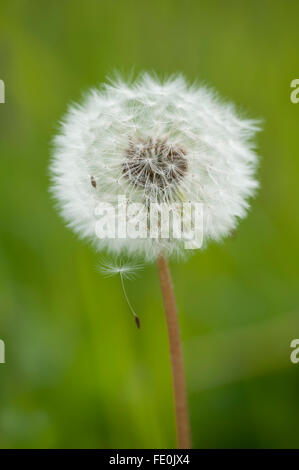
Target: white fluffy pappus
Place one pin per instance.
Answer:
(153, 141)
(126, 270)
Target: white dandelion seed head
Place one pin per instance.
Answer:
(154, 141)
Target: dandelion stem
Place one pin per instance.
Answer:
(137, 320)
(179, 386)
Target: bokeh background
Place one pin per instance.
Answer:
(78, 373)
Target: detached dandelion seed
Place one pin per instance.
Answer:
(137, 320)
(125, 271)
(155, 141)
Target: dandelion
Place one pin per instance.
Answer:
(161, 142)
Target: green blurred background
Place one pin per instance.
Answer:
(78, 373)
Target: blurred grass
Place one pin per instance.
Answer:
(78, 373)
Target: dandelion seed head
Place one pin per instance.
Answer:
(154, 141)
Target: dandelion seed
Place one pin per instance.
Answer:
(126, 271)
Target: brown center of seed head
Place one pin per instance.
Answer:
(154, 163)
